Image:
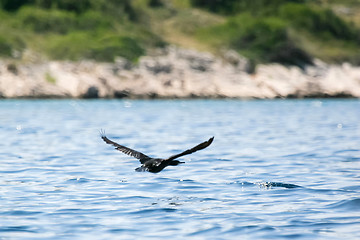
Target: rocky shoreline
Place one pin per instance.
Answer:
(177, 73)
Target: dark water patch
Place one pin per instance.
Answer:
(351, 159)
(76, 211)
(354, 188)
(224, 160)
(292, 236)
(19, 213)
(123, 230)
(152, 211)
(134, 198)
(50, 157)
(295, 155)
(267, 228)
(345, 151)
(17, 229)
(208, 199)
(14, 171)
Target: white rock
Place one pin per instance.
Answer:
(179, 73)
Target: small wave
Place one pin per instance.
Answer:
(353, 204)
(78, 180)
(16, 229)
(153, 210)
(121, 230)
(19, 213)
(351, 159)
(134, 197)
(242, 183)
(300, 154)
(186, 180)
(206, 231)
(14, 171)
(224, 160)
(347, 151)
(267, 184)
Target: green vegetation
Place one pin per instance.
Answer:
(49, 78)
(75, 30)
(265, 38)
(5, 47)
(232, 7)
(285, 31)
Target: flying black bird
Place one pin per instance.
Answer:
(154, 165)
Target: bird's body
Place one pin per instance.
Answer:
(155, 165)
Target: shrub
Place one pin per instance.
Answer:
(218, 6)
(110, 47)
(92, 20)
(260, 39)
(119, 9)
(321, 22)
(236, 6)
(5, 47)
(13, 5)
(49, 78)
(77, 6)
(58, 21)
(42, 21)
(73, 46)
(155, 3)
(82, 45)
(116, 8)
(11, 45)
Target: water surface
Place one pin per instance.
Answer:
(280, 169)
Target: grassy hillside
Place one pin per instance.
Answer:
(285, 31)
(66, 29)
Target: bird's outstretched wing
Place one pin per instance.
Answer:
(194, 149)
(142, 157)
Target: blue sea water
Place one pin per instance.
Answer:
(277, 169)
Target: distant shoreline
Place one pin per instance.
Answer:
(177, 73)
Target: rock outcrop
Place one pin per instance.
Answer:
(177, 73)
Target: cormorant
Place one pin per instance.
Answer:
(154, 165)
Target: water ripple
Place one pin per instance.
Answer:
(350, 205)
(276, 170)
